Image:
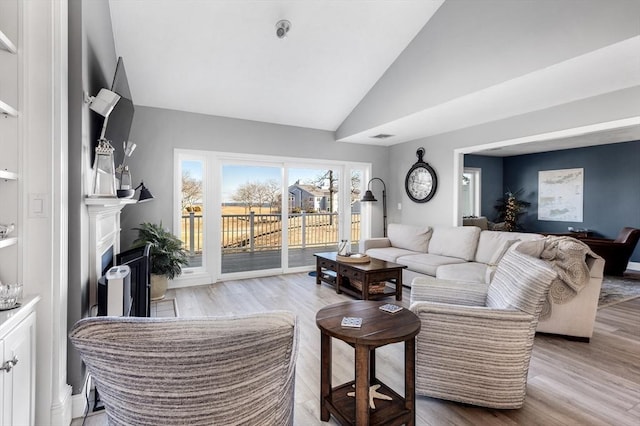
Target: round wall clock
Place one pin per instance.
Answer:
(421, 182)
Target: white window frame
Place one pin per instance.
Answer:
(213, 161)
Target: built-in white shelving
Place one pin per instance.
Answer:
(7, 44)
(6, 242)
(7, 175)
(8, 109)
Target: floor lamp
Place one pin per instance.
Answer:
(368, 196)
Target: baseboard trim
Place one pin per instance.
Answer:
(79, 401)
(62, 412)
(634, 266)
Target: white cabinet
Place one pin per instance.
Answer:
(17, 364)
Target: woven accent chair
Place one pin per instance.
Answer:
(475, 342)
(192, 371)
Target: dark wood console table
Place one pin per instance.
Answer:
(333, 272)
(378, 329)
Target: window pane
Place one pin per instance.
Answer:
(313, 214)
(191, 224)
(251, 223)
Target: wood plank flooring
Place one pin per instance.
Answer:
(570, 383)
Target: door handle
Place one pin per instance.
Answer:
(8, 365)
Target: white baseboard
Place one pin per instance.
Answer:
(61, 413)
(79, 401)
(634, 266)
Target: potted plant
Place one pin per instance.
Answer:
(167, 256)
(510, 208)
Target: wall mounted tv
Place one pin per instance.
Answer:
(117, 125)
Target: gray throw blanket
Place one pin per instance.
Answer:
(568, 257)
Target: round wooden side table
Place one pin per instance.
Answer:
(378, 328)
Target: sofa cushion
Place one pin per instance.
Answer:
(521, 282)
(469, 272)
(415, 238)
(426, 263)
(458, 241)
(492, 241)
(390, 254)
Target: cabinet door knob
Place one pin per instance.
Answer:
(8, 365)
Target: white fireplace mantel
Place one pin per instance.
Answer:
(104, 232)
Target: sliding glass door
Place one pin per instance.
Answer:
(244, 216)
(251, 220)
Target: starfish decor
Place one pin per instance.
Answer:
(373, 393)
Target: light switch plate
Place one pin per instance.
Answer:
(38, 205)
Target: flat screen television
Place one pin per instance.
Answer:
(117, 125)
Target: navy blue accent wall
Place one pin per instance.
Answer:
(491, 185)
(611, 187)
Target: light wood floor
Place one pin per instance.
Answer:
(570, 383)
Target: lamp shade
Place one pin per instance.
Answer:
(145, 194)
(368, 196)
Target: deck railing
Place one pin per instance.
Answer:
(254, 232)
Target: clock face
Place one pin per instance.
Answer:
(421, 183)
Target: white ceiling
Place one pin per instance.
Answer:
(222, 57)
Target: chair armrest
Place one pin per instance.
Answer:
(380, 242)
(477, 325)
(603, 243)
(446, 291)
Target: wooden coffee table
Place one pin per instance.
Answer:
(378, 329)
(333, 272)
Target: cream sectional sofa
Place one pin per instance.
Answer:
(469, 254)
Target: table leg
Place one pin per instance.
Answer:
(410, 378)
(338, 282)
(362, 385)
(325, 375)
(365, 287)
(399, 286)
(318, 271)
(372, 366)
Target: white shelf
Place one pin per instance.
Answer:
(7, 175)
(6, 109)
(108, 202)
(6, 242)
(7, 44)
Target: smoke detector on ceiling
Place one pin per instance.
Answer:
(282, 28)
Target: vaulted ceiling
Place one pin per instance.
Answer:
(340, 57)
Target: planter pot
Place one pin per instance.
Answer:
(159, 284)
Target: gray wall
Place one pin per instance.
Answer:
(440, 149)
(92, 63)
(158, 132)
(498, 40)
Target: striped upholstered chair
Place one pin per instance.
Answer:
(475, 342)
(192, 371)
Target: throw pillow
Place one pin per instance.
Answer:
(408, 237)
(533, 248)
(495, 259)
(497, 255)
(521, 282)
